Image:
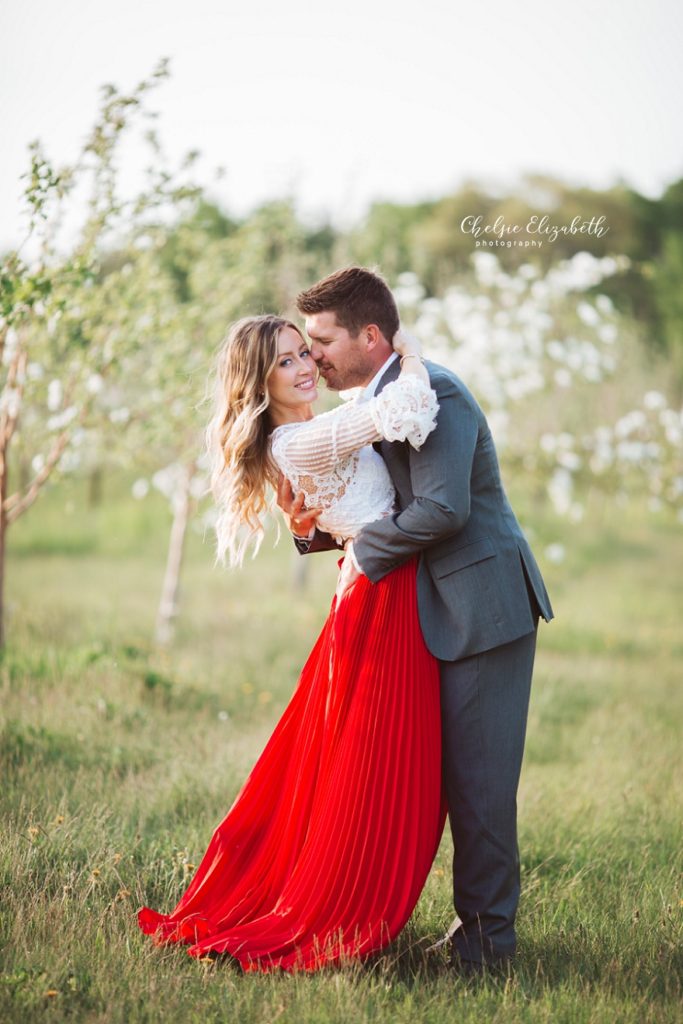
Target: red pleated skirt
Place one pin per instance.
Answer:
(323, 855)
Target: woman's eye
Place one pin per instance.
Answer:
(285, 361)
(306, 352)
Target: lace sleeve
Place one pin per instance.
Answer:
(405, 410)
(317, 446)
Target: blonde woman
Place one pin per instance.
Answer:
(325, 851)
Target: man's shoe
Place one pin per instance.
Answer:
(466, 968)
(499, 968)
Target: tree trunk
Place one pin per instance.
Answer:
(300, 565)
(168, 606)
(95, 487)
(8, 420)
(24, 473)
(3, 534)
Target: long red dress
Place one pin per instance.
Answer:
(324, 853)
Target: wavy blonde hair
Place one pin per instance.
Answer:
(241, 468)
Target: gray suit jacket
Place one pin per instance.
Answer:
(478, 584)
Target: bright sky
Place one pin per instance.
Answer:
(339, 104)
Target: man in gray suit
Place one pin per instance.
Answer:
(479, 590)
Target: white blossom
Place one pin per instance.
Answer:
(629, 423)
(199, 486)
(408, 291)
(11, 343)
(35, 371)
(560, 490)
(654, 400)
(140, 488)
(555, 553)
(70, 461)
(120, 415)
(10, 402)
(62, 419)
(54, 395)
(607, 333)
(588, 314)
(570, 460)
(167, 480)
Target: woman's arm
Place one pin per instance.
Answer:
(404, 410)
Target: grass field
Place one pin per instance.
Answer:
(118, 761)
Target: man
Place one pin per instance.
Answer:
(480, 595)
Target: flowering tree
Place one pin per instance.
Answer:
(74, 314)
(560, 376)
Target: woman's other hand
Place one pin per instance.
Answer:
(406, 344)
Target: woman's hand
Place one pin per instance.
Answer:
(300, 520)
(410, 351)
(406, 344)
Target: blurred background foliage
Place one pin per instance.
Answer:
(108, 330)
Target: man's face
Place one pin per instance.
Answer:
(343, 361)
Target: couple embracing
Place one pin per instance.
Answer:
(413, 702)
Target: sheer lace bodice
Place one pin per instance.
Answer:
(331, 460)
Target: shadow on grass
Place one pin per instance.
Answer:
(559, 961)
(554, 962)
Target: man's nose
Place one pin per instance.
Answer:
(316, 353)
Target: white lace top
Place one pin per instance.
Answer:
(329, 457)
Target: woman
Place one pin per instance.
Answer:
(325, 850)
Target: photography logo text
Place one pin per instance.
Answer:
(532, 235)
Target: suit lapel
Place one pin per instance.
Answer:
(391, 373)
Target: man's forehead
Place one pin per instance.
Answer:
(320, 323)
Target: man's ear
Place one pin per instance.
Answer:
(373, 337)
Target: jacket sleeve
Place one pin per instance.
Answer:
(320, 541)
(440, 475)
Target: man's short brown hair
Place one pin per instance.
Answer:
(357, 297)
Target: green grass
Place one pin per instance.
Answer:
(117, 761)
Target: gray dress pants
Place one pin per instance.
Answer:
(484, 705)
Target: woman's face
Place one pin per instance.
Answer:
(292, 382)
